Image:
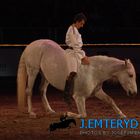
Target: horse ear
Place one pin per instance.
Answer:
(127, 61)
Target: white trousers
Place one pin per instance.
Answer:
(74, 59)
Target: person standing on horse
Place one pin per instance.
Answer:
(76, 56)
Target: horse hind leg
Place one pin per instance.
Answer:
(32, 73)
(43, 89)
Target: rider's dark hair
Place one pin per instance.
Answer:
(78, 17)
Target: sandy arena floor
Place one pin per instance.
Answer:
(15, 126)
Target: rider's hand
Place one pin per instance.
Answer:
(85, 61)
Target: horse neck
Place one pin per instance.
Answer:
(107, 66)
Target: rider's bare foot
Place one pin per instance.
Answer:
(85, 61)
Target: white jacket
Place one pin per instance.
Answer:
(74, 40)
(74, 56)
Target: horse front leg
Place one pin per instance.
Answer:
(80, 103)
(107, 99)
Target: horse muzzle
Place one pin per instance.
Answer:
(131, 94)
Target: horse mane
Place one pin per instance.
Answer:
(102, 61)
(104, 58)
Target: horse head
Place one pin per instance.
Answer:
(127, 78)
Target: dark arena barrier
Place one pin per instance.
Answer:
(10, 55)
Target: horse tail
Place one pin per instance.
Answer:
(21, 83)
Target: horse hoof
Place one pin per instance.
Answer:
(32, 115)
(51, 112)
(81, 116)
(122, 116)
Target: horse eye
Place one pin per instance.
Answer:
(130, 75)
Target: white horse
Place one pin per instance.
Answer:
(49, 58)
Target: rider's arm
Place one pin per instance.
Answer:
(73, 38)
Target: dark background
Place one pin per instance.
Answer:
(23, 21)
(109, 21)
